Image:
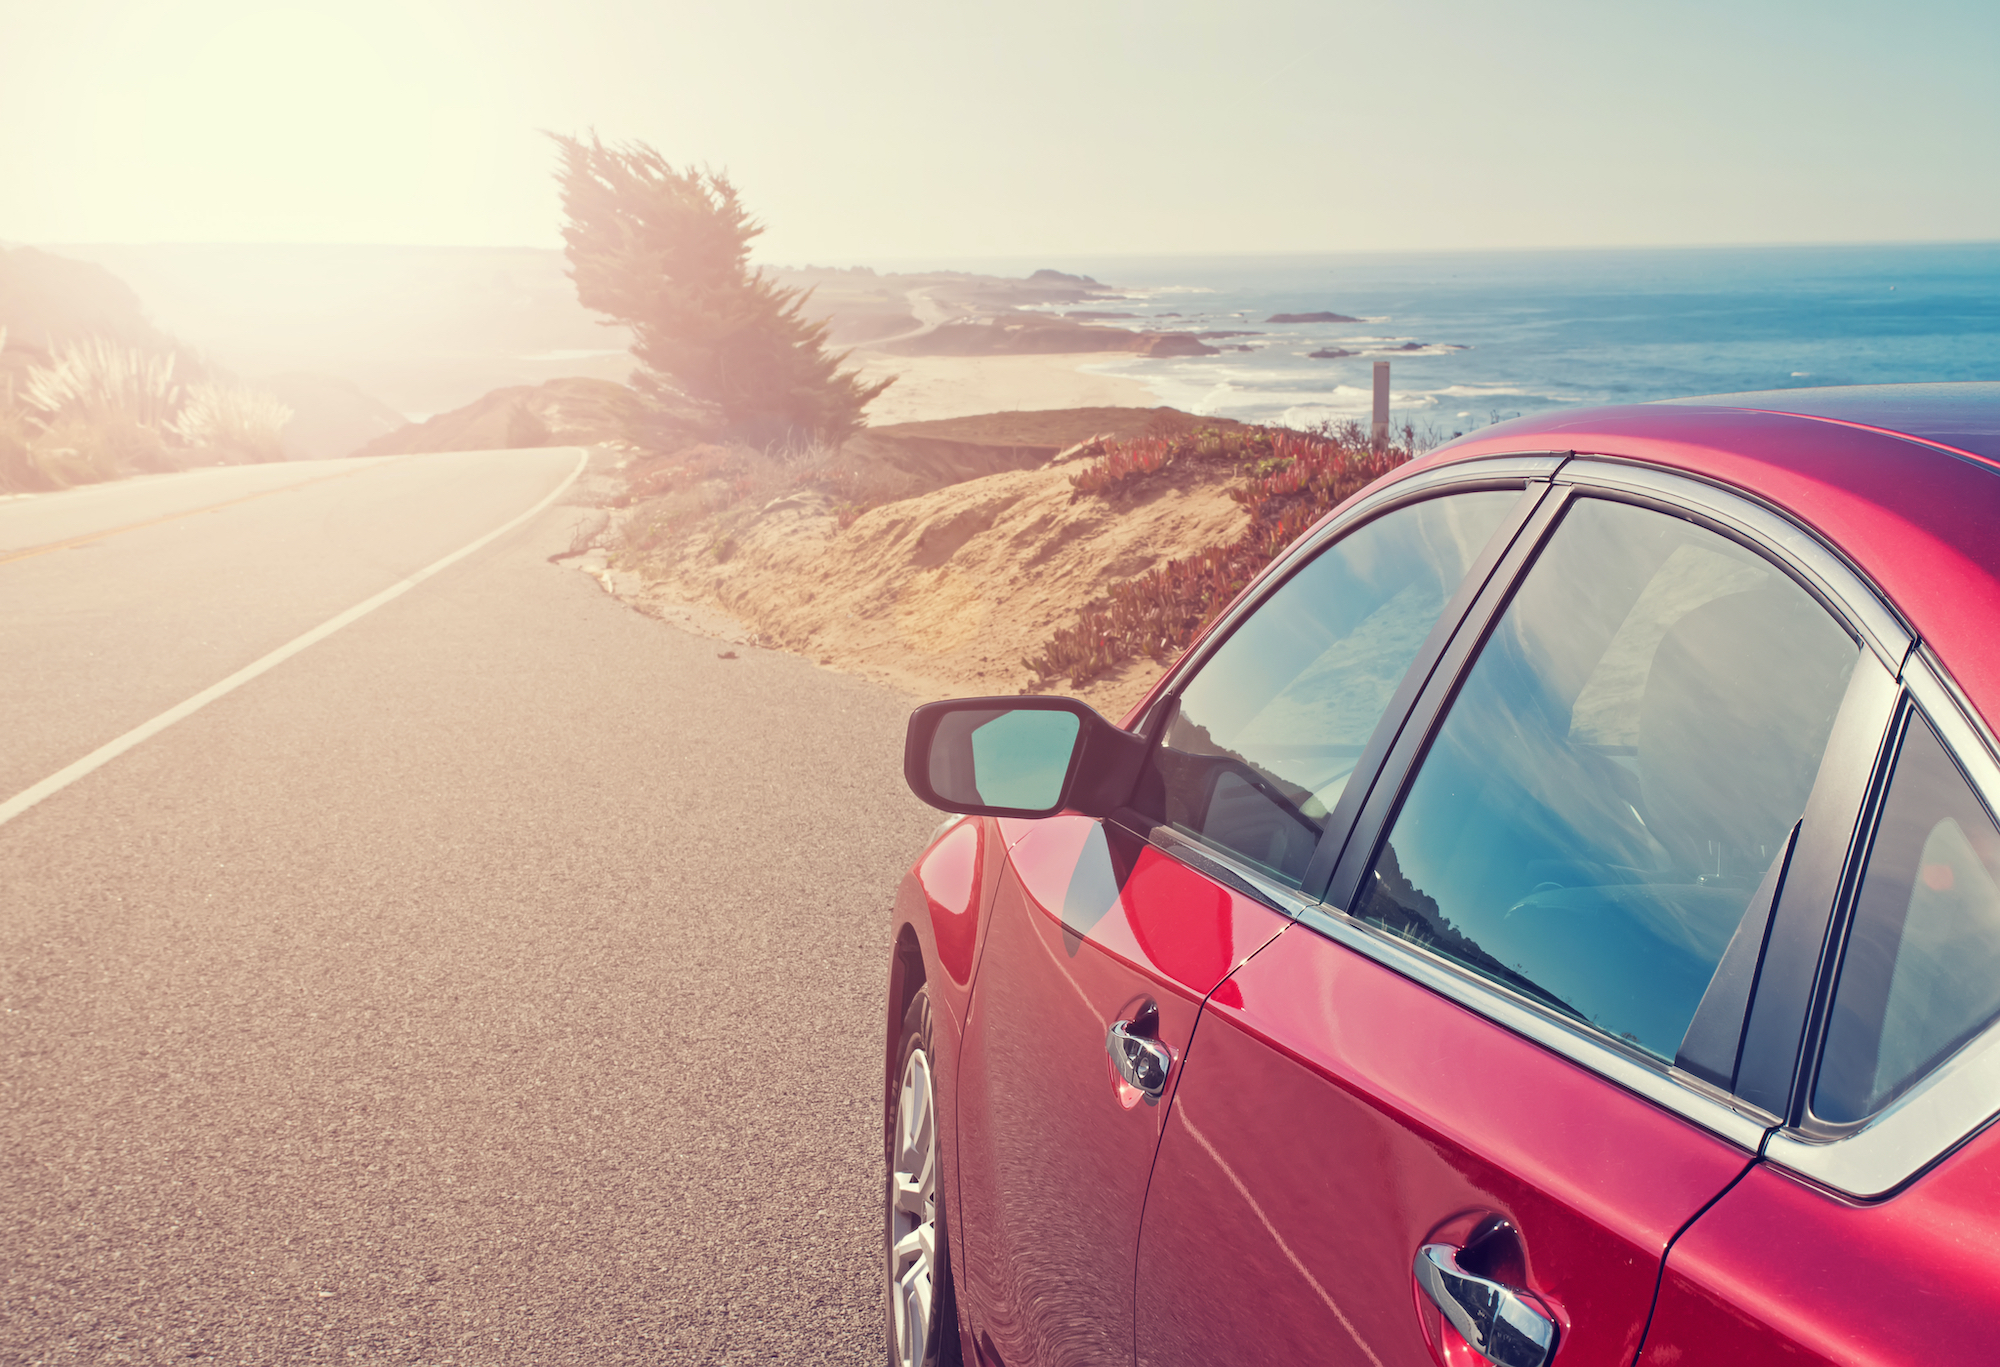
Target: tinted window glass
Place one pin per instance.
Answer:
(1265, 736)
(1921, 972)
(1622, 764)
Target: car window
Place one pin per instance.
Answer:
(1622, 764)
(1921, 971)
(1261, 742)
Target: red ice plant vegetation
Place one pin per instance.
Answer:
(1290, 479)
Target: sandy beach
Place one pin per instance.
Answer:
(930, 387)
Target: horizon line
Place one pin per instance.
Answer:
(1181, 254)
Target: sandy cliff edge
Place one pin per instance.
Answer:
(941, 594)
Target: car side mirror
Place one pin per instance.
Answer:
(1019, 756)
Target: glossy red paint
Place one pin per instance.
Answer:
(1090, 925)
(1333, 1115)
(924, 918)
(1781, 1271)
(1917, 519)
(1340, 1117)
(942, 917)
(949, 873)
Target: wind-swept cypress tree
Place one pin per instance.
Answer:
(667, 252)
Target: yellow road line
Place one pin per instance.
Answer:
(9, 557)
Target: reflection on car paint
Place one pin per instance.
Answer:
(1170, 921)
(950, 877)
(1338, 1119)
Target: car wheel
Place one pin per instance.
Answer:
(923, 1322)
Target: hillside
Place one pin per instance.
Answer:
(50, 304)
(1083, 574)
(47, 301)
(900, 460)
(943, 591)
(331, 417)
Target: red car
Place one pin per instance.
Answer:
(1553, 915)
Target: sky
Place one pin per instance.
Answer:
(888, 130)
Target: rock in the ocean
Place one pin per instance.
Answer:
(1174, 344)
(1310, 318)
(1049, 277)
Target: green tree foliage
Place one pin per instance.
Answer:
(667, 253)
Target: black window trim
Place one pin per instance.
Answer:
(1776, 1016)
(1961, 1096)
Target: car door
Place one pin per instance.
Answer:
(1469, 1102)
(1103, 925)
(1868, 1234)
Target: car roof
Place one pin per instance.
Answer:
(1903, 480)
(1964, 417)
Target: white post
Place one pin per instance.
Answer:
(1379, 433)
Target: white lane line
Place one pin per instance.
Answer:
(145, 731)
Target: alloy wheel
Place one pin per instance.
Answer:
(913, 1212)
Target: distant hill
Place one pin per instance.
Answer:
(568, 412)
(331, 417)
(48, 300)
(425, 329)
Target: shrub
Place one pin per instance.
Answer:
(232, 423)
(20, 472)
(1293, 479)
(88, 448)
(98, 410)
(1129, 465)
(96, 378)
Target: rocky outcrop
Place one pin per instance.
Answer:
(1173, 344)
(1032, 334)
(1310, 318)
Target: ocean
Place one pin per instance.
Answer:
(1477, 337)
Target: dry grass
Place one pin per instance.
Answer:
(100, 410)
(233, 424)
(96, 378)
(682, 489)
(87, 449)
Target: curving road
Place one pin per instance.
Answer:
(494, 979)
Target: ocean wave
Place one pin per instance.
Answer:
(1481, 389)
(1355, 347)
(1141, 293)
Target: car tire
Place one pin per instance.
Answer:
(923, 1317)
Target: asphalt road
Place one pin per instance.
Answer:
(496, 980)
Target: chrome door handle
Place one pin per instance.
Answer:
(1141, 1062)
(1506, 1327)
